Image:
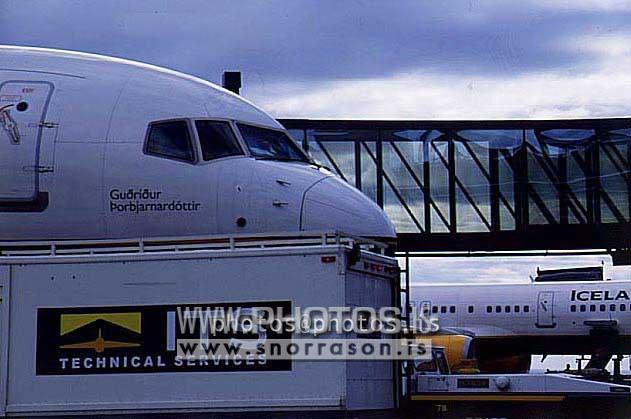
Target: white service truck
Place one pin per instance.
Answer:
(87, 327)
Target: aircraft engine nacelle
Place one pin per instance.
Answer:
(99, 147)
(464, 355)
(458, 350)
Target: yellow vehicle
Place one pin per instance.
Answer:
(458, 350)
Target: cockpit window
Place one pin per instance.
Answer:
(271, 144)
(170, 139)
(217, 139)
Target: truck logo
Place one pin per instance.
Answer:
(138, 339)
(79, 326)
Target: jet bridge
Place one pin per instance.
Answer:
(487, 185)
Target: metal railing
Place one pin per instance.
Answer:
(187, 243)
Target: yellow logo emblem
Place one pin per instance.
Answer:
(109, 321)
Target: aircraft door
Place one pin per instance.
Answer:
(545, 309)
(421, 316)
(23, 106)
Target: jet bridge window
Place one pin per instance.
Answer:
(216, 139)
(171, 140)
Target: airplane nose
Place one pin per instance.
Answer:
(333, 204)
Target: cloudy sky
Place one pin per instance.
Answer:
(365, 59)
(469, 59)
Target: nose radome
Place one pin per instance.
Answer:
(332, 204)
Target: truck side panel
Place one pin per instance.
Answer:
(301, 279)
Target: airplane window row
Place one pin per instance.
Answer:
(489, 309)
(175, 139)
(443, 309)
(600, 307)
(507, 309)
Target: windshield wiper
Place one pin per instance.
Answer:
(319, 165)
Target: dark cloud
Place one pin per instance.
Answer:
(276, 41)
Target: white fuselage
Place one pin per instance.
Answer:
(530, 309)
(74, 132)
